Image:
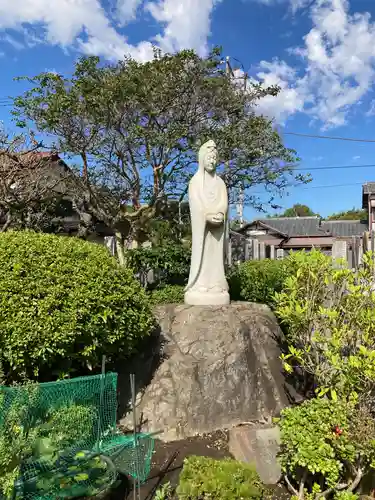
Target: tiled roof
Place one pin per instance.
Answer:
(294, 226)
(345, 227)
(312, 226)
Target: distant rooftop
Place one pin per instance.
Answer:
(311, 226)
(367, 189)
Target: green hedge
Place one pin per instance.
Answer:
(169, 294)
(227, 479)
(64, 303)
(257, 280)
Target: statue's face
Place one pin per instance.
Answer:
(210, 160)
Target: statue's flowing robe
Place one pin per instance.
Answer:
(207, 257)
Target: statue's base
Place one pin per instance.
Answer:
(194, 298)
(219, 367)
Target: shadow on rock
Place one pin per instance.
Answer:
(143, 365)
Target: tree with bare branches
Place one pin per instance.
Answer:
(30, 190)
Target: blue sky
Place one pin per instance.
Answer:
(320, 52)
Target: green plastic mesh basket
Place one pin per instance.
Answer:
(59, 440)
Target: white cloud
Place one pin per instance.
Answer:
(337, 58)
(294, 4)
(84, 24)
(356, 158)
(187, 23)
(127, 10)
(293, 93)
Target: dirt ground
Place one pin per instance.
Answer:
(168, 460)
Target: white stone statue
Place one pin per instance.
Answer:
(208, 200)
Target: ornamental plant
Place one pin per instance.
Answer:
(64, 303)
(326, 448)
(169, 294)
(203, 477)
(328, 315)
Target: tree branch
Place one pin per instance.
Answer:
(357, 480)
(290, 487)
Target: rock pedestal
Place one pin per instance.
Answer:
(220, 369)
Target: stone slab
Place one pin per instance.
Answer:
(260, 446)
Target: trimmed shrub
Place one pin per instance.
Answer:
(257, 280)
(170, 294)
(64, 303)
(203, 477)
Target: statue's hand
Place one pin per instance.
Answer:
(216, 219)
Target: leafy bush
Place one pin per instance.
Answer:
(346, 495)
(257, 281)
(64, 303)
(29, 438)
(203, 477)
(165, 492)
(326, 446)
(329, 315)
(170, 263)
(170, 294)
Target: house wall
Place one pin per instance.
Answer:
(371, 212)
(309, 242)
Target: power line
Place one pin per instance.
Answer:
(332, 138)
(333, 185)
(334, 167)
(324, 186)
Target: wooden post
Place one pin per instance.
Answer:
(262, 250)
(255, 250)
(247, 249)
(355, 253)
(350, 258)
(272, 252)
(359, 250)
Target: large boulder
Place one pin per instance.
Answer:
(220, 369)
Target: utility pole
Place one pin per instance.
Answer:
(239, 201)
(240, 205)
(228, 249)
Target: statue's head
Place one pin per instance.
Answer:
(208, 156)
